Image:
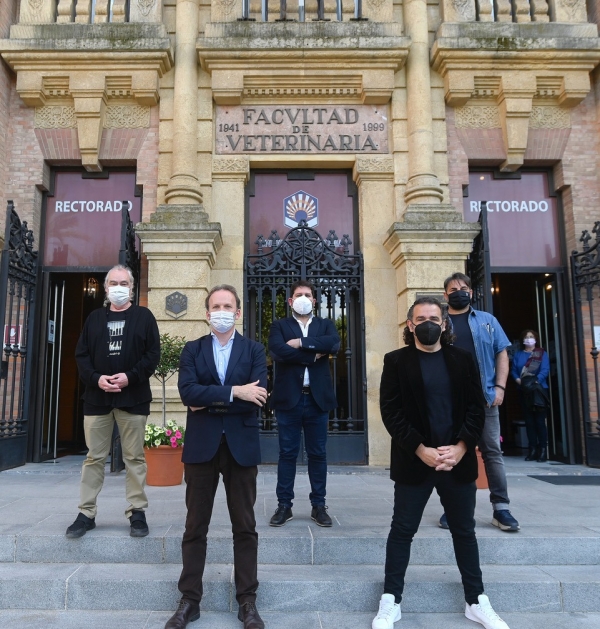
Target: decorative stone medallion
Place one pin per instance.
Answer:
(176, 305)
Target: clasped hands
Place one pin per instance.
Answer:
(444, 458)
(113, 384)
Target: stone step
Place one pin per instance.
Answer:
(66, 619)
(429, 589)
(303, 545)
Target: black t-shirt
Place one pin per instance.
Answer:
(116, 322)
(464, 336)
(438, 395)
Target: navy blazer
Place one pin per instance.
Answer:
(404, 412)
(322, 338)
(199, 385)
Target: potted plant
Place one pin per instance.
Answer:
(162, 444)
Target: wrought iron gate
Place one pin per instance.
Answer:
(585, 269)
(17, 293)
(338, 278)
(478, 265)
(129, 257)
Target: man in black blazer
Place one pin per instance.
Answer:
(302, 397)
(222, 381)
(433, 407)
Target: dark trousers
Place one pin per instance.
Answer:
(458, 500)
(202, 480)
(307, 416)
(535, 424)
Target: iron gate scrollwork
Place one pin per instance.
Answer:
(478, 265)
(337, 276)
(585, 269)
(17, 293)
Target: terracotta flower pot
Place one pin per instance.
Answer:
(164, 466)
(482, 480)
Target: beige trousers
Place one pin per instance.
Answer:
(98, 433)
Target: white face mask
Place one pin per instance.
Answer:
(222, 320)
(530, 342)
(119, 295)
(302, 305)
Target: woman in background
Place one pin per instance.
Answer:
(532, 361)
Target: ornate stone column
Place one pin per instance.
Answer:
(374, 177)
(184, 187)
(423, 186)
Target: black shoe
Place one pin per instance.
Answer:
(139, 528)
(81, 526)
(187, 611)
(543, 455)
(282, 515)
(248, 614)
(533, 455)
(504, 520)
(443, 523)
(320, 516)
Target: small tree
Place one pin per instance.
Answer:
(170, 351)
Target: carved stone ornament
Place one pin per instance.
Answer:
(487, 117)
(374, 164)
(127, 117)
(35, 6)
(55, 117)
(230, 165)
(375, 4)
(465, 8)
(176, 305)
(145, 6)
(227, 6)
(549, 117)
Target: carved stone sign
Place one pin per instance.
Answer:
(302, 129)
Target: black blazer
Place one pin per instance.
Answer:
(404, 411)
(289, 376)
(199, 385)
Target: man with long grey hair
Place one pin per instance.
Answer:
(117, 353)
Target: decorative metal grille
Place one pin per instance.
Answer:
(338, 278)
(17, 293)
(585, 269)
(478, 266)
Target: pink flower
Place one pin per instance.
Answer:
(174, 440)
(178, 435)
(168, 432)
(174, 444)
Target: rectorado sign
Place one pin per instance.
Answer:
(293, 129)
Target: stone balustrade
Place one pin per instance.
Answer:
(89, 11)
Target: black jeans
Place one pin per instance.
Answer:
(202, 480)
(535, 424)
(458, 500)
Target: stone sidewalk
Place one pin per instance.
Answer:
(555, 557)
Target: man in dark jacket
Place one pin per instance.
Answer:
(432, 406)
(117, 353)
(222, 381)
(302, 397)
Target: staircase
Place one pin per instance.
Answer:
(548, 574)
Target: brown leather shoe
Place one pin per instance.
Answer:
(187, 611)
(248, 614)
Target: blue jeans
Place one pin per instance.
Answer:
(491, 452)
(458, 500)
(307, 416)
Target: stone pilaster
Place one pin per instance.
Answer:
(374, 177)
(229, 177)
(184, 187)
(423, 185)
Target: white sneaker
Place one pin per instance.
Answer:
(484, 614)
(388, 614)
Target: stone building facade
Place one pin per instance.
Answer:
(411, 100)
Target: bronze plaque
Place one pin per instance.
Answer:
(302, 129)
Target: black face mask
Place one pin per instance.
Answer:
(459, 299)
(428, 332)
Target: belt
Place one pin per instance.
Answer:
(306, 390)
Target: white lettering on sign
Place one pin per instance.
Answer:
(511, 206)
(90, 206)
